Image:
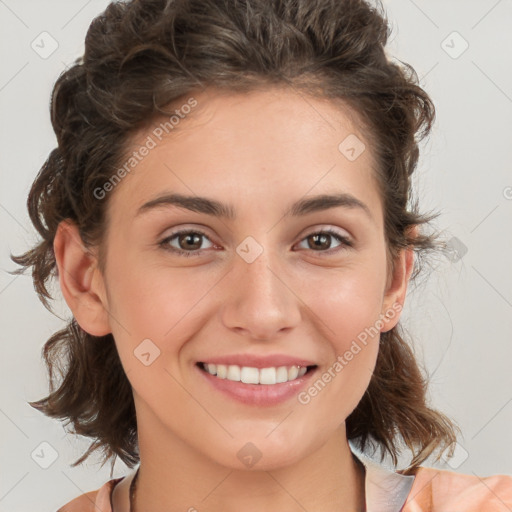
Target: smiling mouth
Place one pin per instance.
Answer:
(250, 375)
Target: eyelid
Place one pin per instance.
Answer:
(164, 242)
(345, 240)
(327, 228)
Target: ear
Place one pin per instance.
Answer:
(80, 280)
(394, 297)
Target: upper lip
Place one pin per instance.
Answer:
(254, 361)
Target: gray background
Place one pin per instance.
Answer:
(460, 317)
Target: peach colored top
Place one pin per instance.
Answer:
(428, 490)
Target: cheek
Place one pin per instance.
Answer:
(353, 310)
(348, 302)
(152, 300)
(348, 307)
(164, 305)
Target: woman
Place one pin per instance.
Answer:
(228, 213)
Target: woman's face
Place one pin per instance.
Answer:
(257, 276)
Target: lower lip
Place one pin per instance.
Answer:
(258, 394)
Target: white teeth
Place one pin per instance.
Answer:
(249, 375)
(233, 373)
(282, 374)
(293, 372)
(222, 371)
(268, 375)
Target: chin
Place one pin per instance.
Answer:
(262, 453)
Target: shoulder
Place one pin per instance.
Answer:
(93, 501)
(439, 490)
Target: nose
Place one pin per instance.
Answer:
(259, 299)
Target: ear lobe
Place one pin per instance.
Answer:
(80, 280)
(394, 297)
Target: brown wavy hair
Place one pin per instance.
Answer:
(143, 55)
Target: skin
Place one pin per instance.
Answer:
(260, 152)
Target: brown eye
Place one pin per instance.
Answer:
(322, 241)
(188, 242)
(319, 241)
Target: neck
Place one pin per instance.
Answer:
(174, 476)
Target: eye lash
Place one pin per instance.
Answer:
(164, 243)
(328, 231)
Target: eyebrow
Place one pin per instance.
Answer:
(226, 211)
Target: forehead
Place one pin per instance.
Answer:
(270, 143)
